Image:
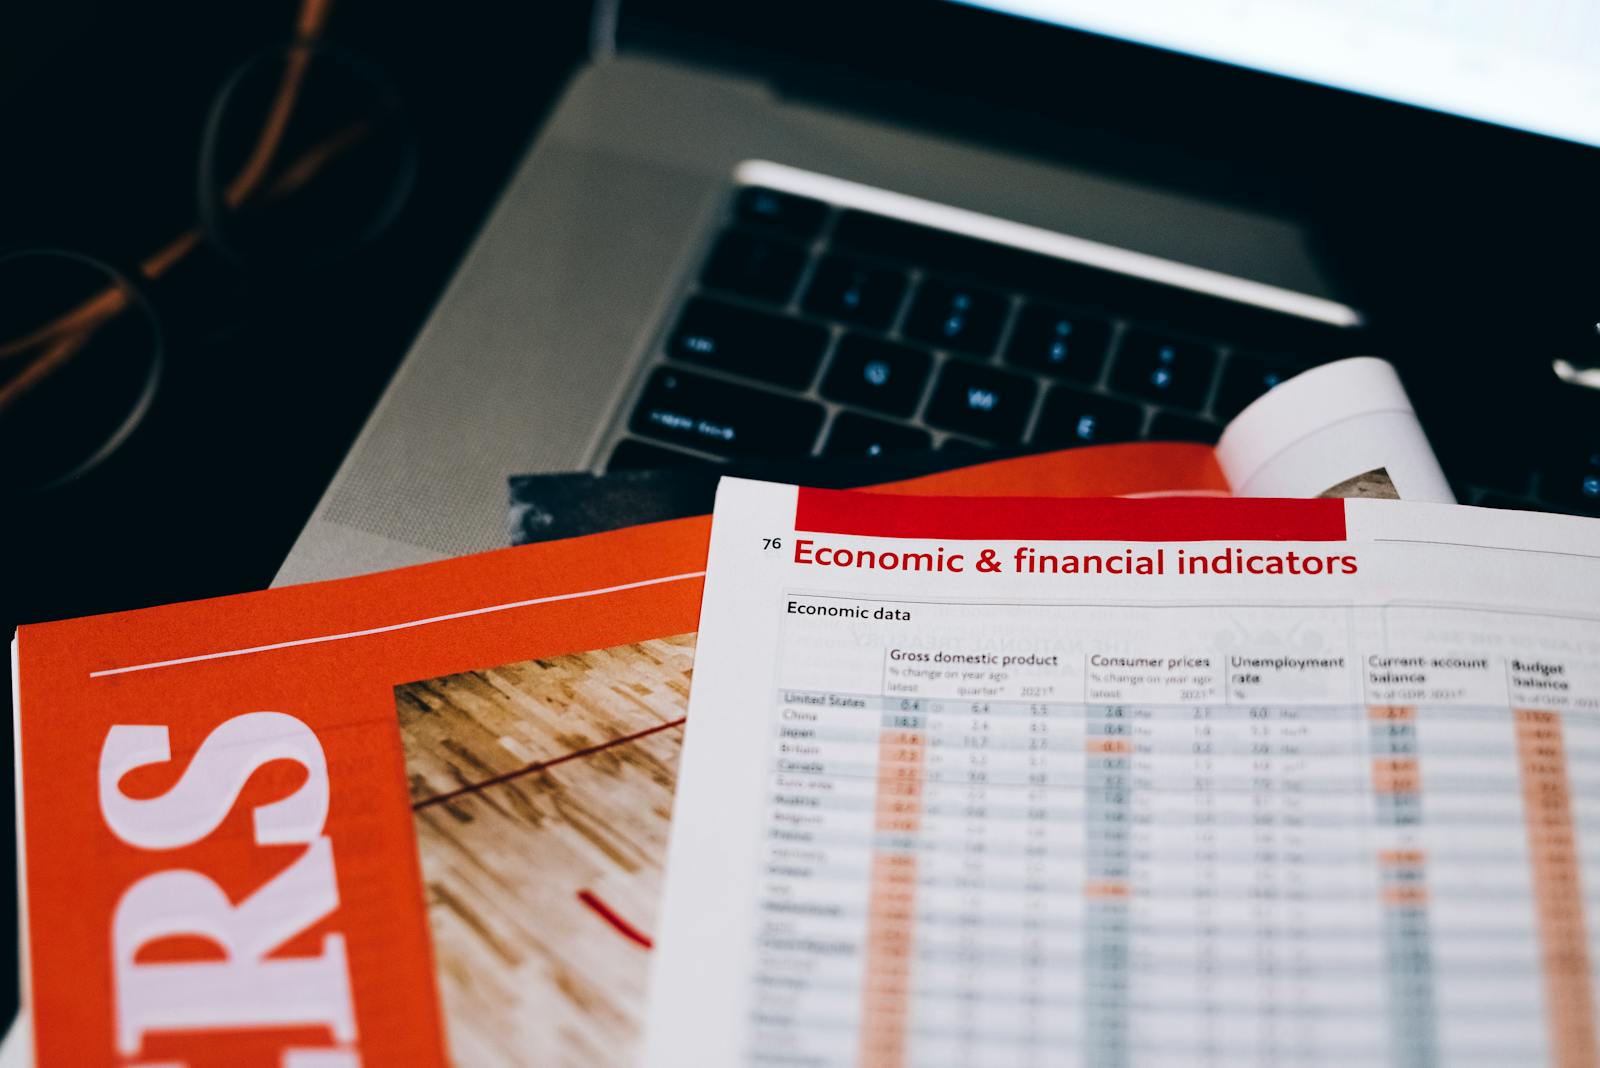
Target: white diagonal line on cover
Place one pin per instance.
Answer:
(407, 625)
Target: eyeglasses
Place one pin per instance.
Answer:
(305, 160)
(79, 370)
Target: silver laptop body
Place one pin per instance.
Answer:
(537, 347)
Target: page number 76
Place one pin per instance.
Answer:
(771, 543)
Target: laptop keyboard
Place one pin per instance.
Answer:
(821, 330)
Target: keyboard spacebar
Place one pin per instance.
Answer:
(722, 418)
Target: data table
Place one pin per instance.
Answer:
(1353, 838)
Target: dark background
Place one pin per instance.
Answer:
(269, 377)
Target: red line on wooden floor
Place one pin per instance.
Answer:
(628, 930)
(451, 795)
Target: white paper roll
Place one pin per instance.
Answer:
(1325, 427)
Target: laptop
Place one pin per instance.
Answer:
(832, 228)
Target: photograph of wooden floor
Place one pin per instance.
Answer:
(542, 794)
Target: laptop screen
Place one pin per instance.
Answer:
(1529, 65)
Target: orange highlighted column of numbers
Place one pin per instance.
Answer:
(1107, 889)
(891, 913)
(1399, 776)
(1557, 888)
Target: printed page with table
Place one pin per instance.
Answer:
(1180, 781)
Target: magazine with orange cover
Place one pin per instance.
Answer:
(232, 856)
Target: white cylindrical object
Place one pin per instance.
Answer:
(1327, 426)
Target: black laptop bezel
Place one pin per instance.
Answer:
(1248, 135)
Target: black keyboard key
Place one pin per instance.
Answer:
(944, 252)
(1170, 427)
(1059, 342)
(797, 215)
(877, 374)
(756, 265)
(744, 341)
(1077, 417)
(966, 448)
(1247, 377)
(725, 419)
(1574, 485)
(862, 435)
(854, 292)
(1493, 465)
(963, 318)
(1163, 368)
(1500, 500)
(981, 402)
(631, 455)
